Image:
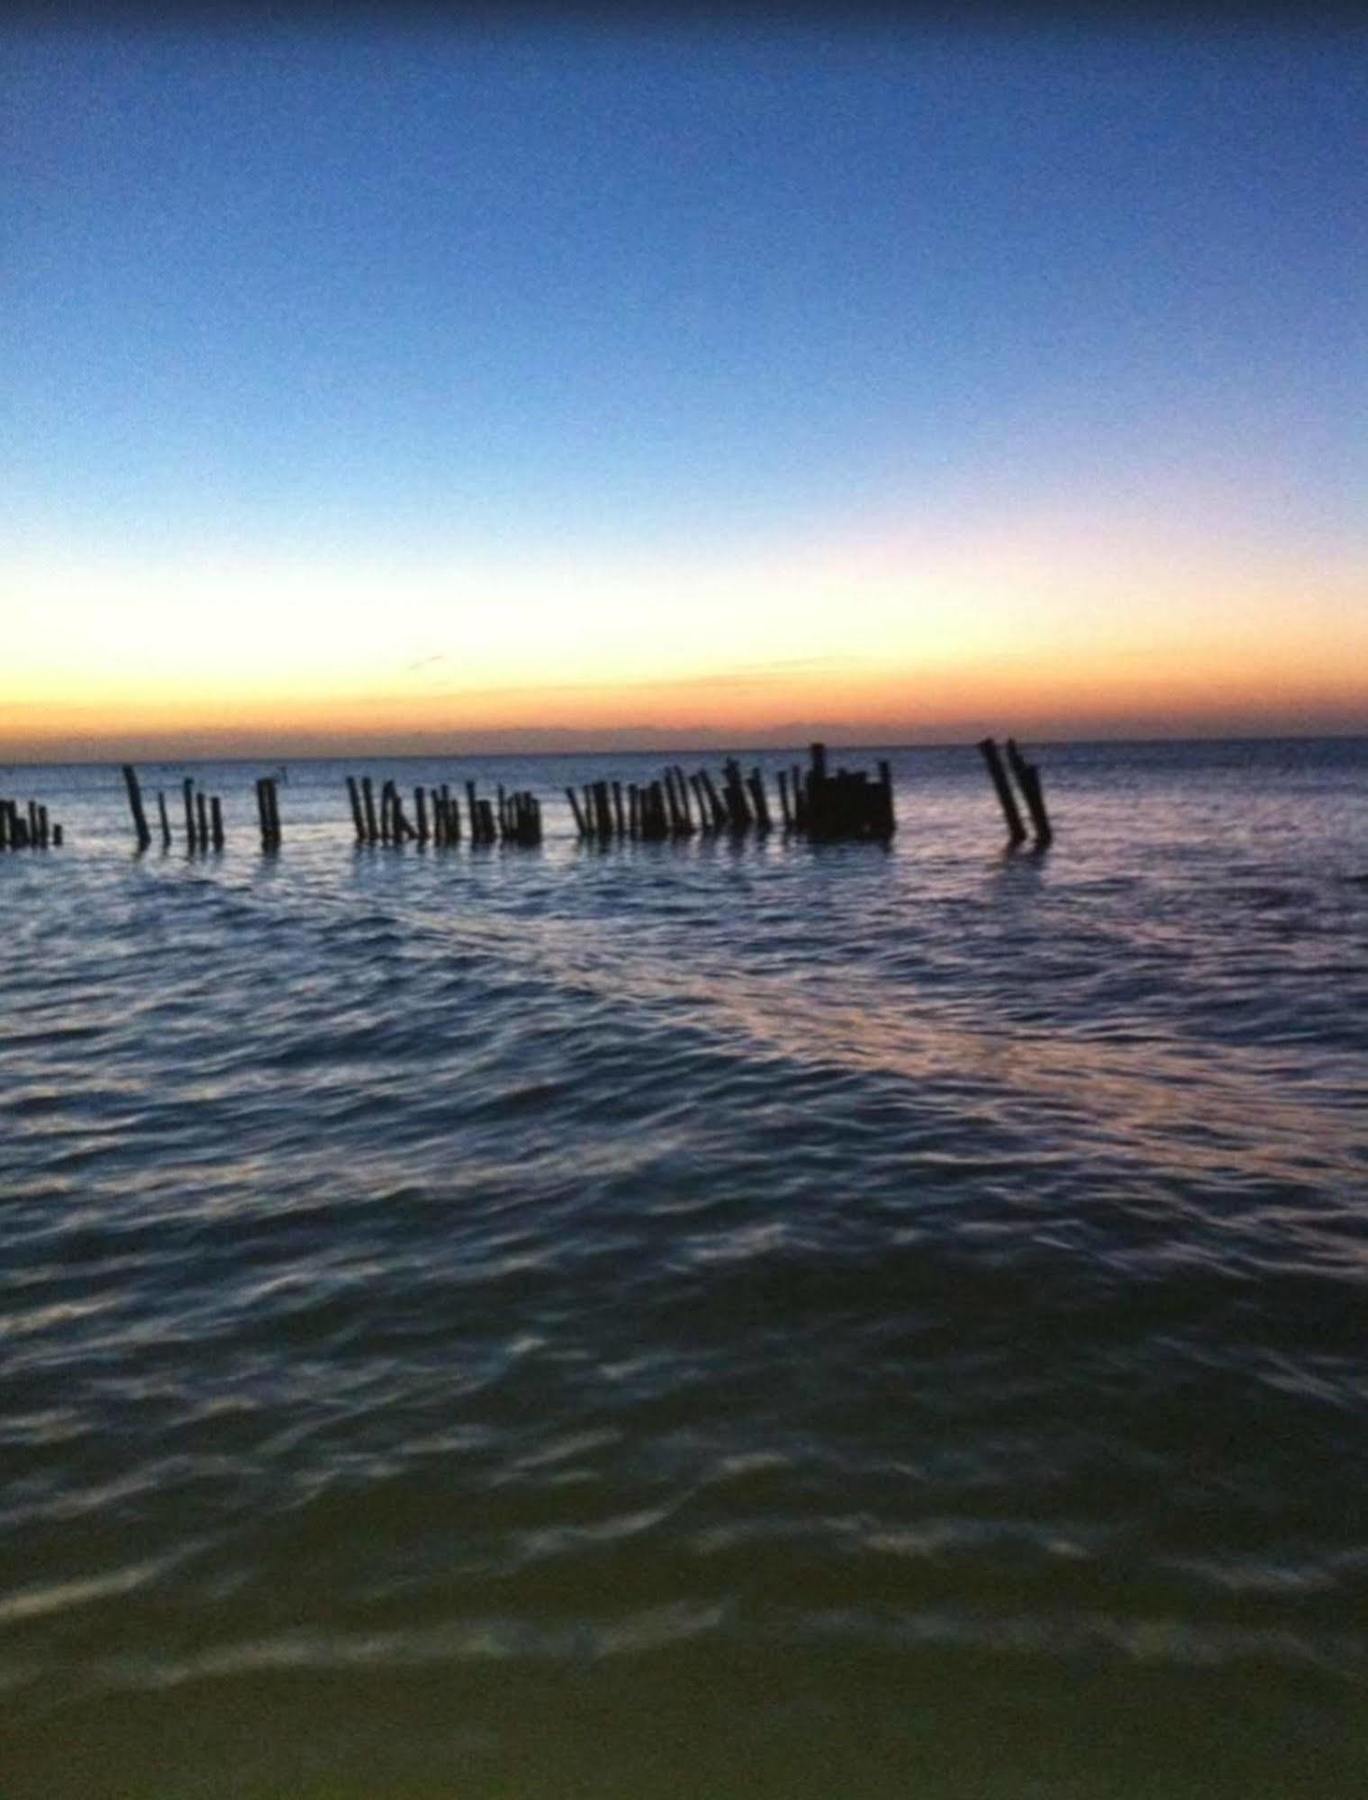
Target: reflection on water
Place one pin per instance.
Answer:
(716, 1319)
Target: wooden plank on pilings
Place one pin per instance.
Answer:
(755, 783)
(573, 798)
(358, 817)
(619, 817)
(1016, 831)
(136, 806)
(216, 822)
(201, 821)
(1028, 780)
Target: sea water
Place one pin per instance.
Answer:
(730, 1318)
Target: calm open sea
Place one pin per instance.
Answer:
(742, 1319)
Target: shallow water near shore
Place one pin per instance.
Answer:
(732, 1318)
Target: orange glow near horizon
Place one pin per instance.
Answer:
(887, 636)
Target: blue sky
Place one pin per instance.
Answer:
(582, 294)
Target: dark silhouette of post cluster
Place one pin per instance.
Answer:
(26, 826)
(513, 818)
(203, 815)
(815, 805)
(1028, 781)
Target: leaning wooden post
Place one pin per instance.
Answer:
(358, 819)
(165, 822)
(136, 806)
(573, 798)
(1003, 788)
(756, 783)
(1028, 780)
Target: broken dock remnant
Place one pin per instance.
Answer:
(27, 827)
(848, 804)
(815, 804)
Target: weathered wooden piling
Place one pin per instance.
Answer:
(136, 806)
(420, 813)
(201, 821)
(163, 820)
(216, 821)
(358, 817)
(1028, 780)
(1016, 831)
(368, 793)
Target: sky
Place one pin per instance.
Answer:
(547, 386)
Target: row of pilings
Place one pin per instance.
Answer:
(812, 803)
(510, 818)
(26, 826)
(816, 803)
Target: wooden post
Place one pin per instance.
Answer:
(358, 819)
(633, 810)
(420, 808)
(201, 821)
(619, 819)
(165, 822)
(573, 798)
(1016, 831)
(1028, 780)
(57, 836)
(756, 784)
(784, 806)
(136, 806)
(368, 800)
(263, 812)
(216, 826)
(273, 798)
(188, 794)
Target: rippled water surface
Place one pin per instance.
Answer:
(732, 1319)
